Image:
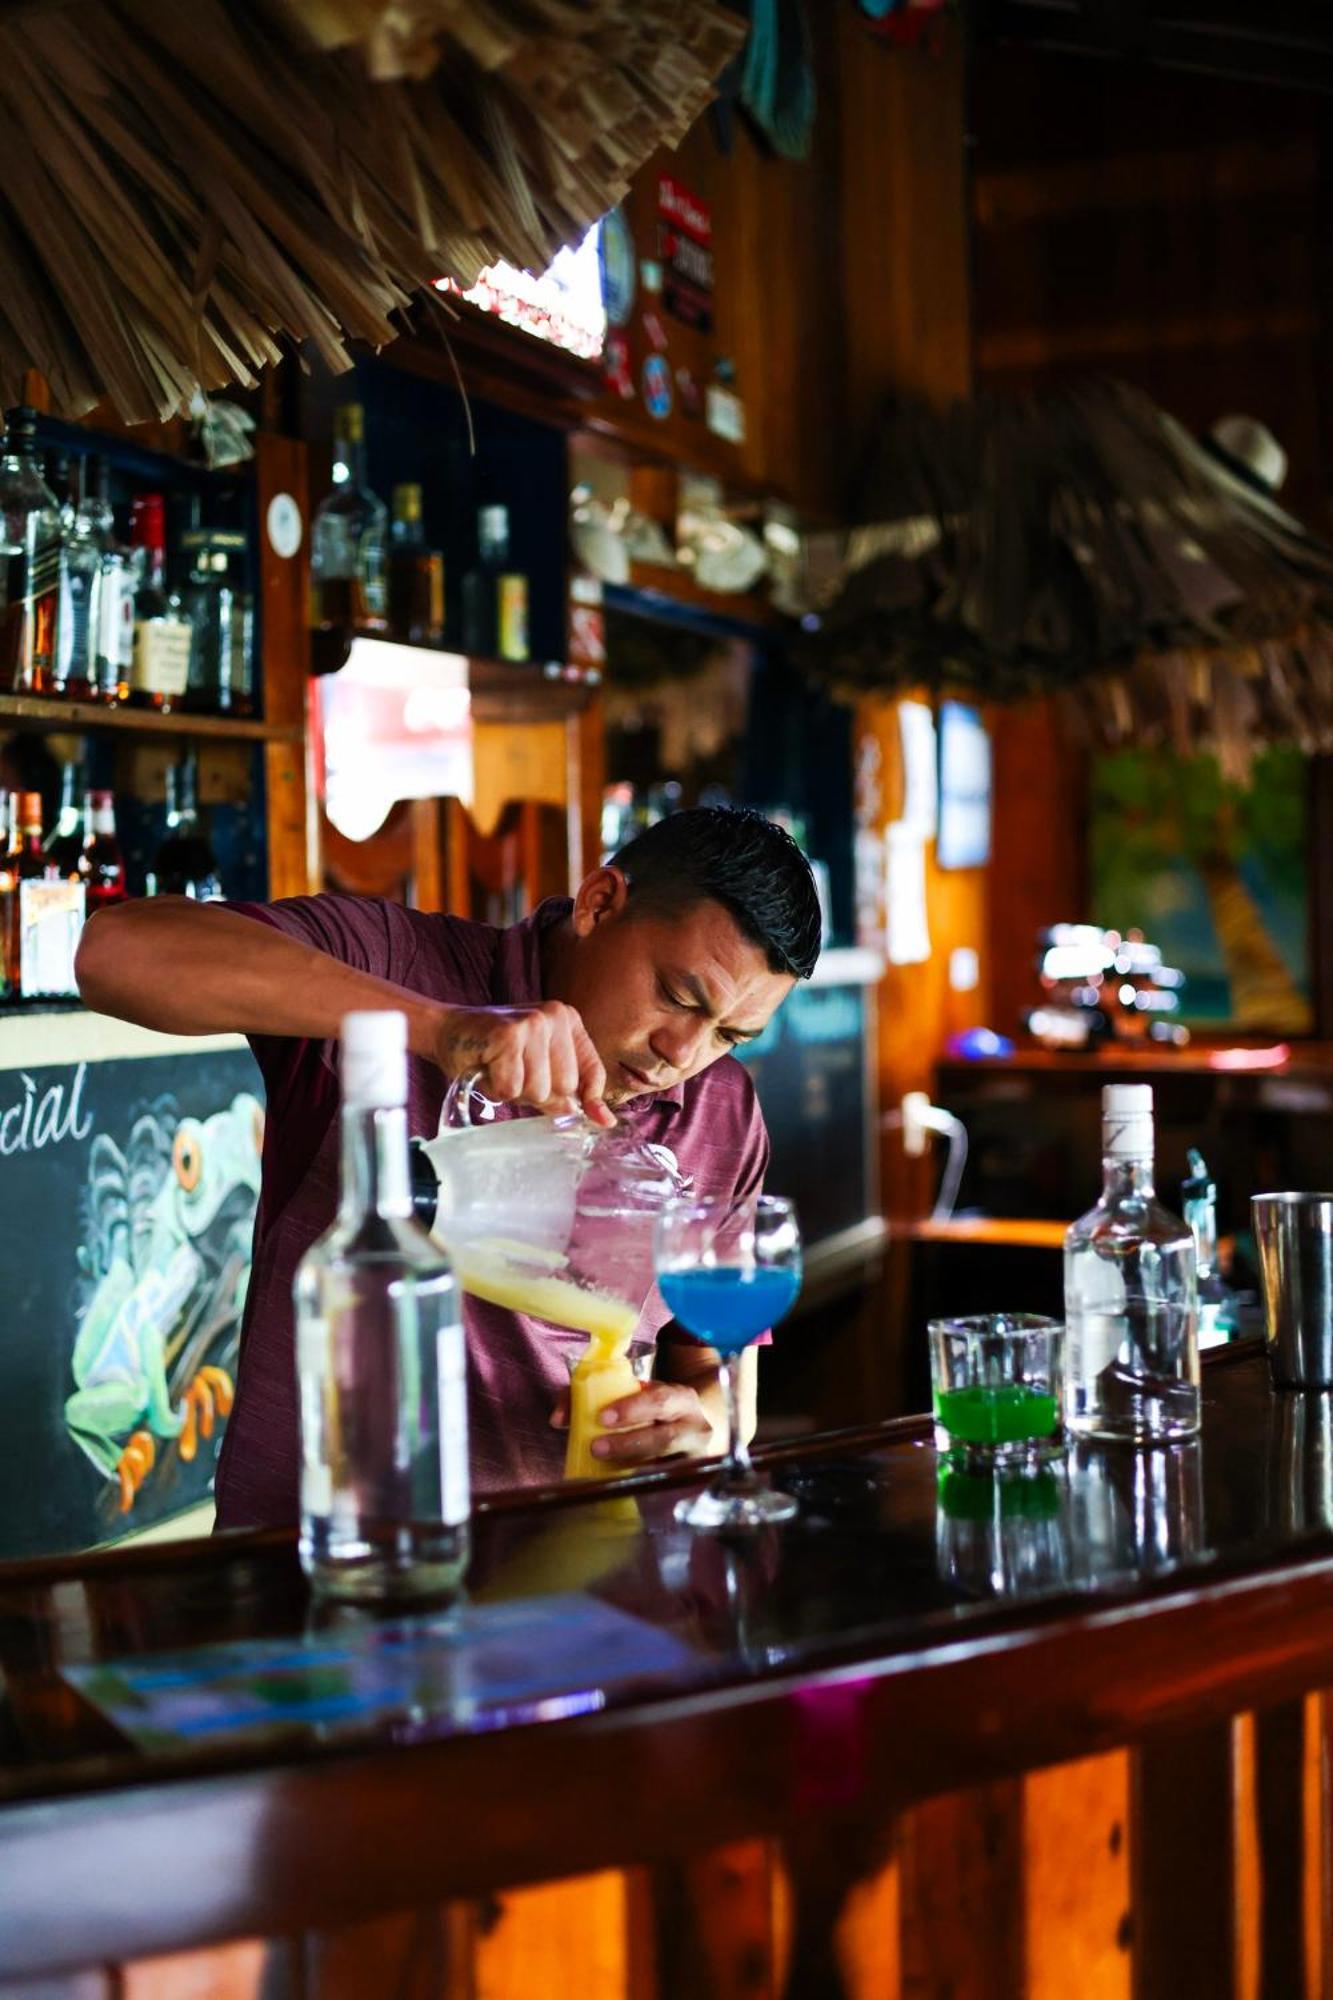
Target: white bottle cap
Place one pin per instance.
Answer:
(374, 1061)
(1127, 1125)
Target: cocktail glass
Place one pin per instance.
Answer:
(728, 1270)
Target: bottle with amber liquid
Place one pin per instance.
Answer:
(31, 544)
(348, 576)
(416, 575)
(102, 864)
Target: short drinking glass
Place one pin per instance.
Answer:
(729, 1270)
(997, 1382)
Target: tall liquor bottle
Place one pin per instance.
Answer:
(160, 669)
(45, 915)
(347, 548)
(184, 863)
(65, 843)
(221, 613)
(31, 541)
(495, 596)
(416, 575)
(1131, 1303)
(102, 864)
(82, 562)
(380, 1359)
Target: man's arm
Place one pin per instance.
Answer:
(188, 969)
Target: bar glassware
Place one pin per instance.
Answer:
(997, 1387)
(729, 1270)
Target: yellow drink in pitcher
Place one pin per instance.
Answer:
(602, 1375)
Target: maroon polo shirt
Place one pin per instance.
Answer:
(516, 1365)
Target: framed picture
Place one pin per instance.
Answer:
(1215, 874)
(963, 839)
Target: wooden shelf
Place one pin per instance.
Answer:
(46, 712)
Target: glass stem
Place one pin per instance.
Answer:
(739, 1464)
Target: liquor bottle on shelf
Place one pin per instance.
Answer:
(46, 916)
(495, 597)
(114, 653)
(221, 614)
(1131, 1299)
(380, 1360)
(184, 864)
(416, 575)
(81, 582)
(102, 864)
(30, 551)
(347, 550)
(160, 668)
(65, 843)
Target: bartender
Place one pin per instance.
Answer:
(627, 1001)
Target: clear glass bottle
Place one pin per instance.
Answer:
(1218, 1316)
(380, 1359)
(221, 614)
(31, 541)
(1131, 1311)
(184, 864)
(347, 540)
(114, 655)
(75, 672)
(65, 842)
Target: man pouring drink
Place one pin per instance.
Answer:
(626, 1002)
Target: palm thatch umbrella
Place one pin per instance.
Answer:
(1084, 544)
(186, 185)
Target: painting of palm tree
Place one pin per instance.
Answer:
(1215, 873)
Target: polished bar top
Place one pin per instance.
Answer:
(912, 1630)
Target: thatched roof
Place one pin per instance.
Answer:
(187, 182)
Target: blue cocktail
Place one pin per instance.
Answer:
(730, 1270)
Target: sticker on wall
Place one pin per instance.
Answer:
(657, 386)
(965, 788)
(685, 245)
(616, 373)
(654, 332)
(619, 268)
(725, 414)
(691, 399)
(650, 275)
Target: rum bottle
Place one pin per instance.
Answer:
(380, 1359)
(1132, 1354)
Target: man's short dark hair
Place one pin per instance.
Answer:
(739, 859)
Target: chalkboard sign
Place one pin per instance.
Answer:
(809, 1068)
(127, 1203)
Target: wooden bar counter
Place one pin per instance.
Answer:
(932, 1737)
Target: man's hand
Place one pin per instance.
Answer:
(542, 1056)
(661, 1420)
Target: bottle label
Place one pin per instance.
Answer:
(161, 663)
(50, 923)
(451, 1367)
(512, 631)
(112, 616)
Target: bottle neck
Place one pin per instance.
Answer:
(375, 1179)
(1123, 1178)
(349, 463)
